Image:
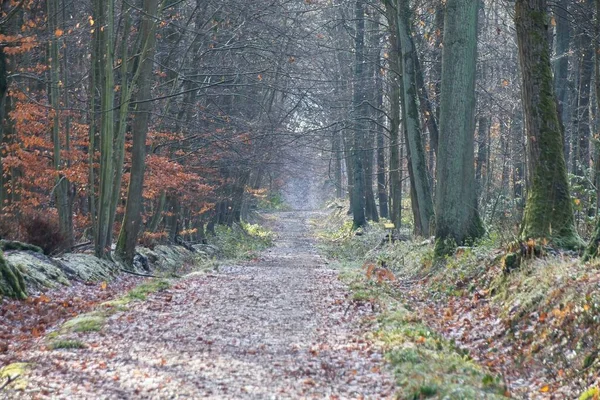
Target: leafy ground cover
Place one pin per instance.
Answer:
(536, 326)
(279, 325)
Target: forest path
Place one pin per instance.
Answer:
(274, 327)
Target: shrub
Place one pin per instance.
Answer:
(43, 231)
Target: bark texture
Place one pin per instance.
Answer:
(457, 219)
(548, 211)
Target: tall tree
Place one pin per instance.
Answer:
(548, 210)
(105, 12)
(358, 188)
(132, 220)
(422, 202)
(593, 247)
(62, 188)
(457, 219)
(561, 62)
(394, 77)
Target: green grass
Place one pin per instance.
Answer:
(66, 344)
(91, 322)
(142, 291)
(242, 241)
(424, 363)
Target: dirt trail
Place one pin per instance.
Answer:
(269, 329)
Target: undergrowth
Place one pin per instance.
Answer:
(425, 364)
(550, 306)
(243, 241)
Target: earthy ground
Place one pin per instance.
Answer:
(276, 327)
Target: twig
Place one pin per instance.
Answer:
(137, 274)
(145, 275)
(80, 245)
(9, 380)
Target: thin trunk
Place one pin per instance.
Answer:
(132, 219)
(107, 132)
(358, 192)
(422, 201)
(394, 76)
(62, 186)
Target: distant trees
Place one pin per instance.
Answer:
(157, 121)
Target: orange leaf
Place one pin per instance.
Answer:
(103, 285)
(545, 389)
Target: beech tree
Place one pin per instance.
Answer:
(548, 210)
(457, 219)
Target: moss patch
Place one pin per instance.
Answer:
(66, 344)
(142, 291)
(15, 370)
(91, 322)
(11, 280)
(8, 245)
(425, 364)
(243, 241)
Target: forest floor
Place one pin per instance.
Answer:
(277, 326)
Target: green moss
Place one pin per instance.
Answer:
(425, 364)
(142, 291)
(8, 245)
(91, 322)
(548, 210)
(15, 370)
(117, 305)
(444, 248)
(590, 394)
(66, 344)
(11, 280)
(242, 241)
(511, 262)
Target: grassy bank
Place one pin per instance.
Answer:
(540, 319)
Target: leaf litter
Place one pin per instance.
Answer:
(274, 327)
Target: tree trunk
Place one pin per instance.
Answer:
(561, 62)
(592, 250)
(395, 75)
(457, 219)
(132, 219)
(62, 187)
(102, 247)
(422, 201)
(548, 211)
(358, 189)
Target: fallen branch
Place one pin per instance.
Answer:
(137, 274)
(9, 380)
(145, 275)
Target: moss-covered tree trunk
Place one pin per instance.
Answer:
(11, 280)
(594, 245)
(548, 210)
(562, 49)
(422, 200)
(457, 219)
